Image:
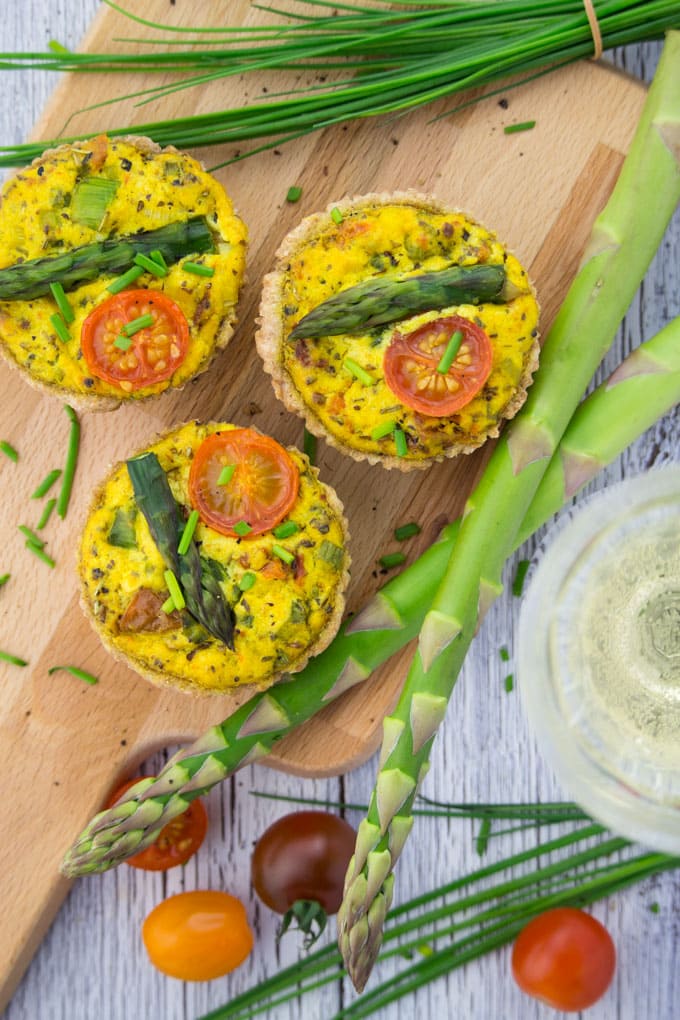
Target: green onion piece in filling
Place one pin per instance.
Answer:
(400, 443)
(38, 551)
(336, 215)
(150, 265)
(358, 372)
(135, 325)
(123, 532)
(331, 553)
(91, 198)
(242, 528)
(31, 536)
(286, 529)
(79, 674)
(405, 531)
(386, 429)
(294, 194)
(390, 560)
(46, 484)
(174, 589)
(13, 659)
(63, 305)
(60, 327)
(71, 460)
(452, 348)
(309, 445)
(247, 581)
(226, 474)
(520, 575)
(283, 554)
(123, 343)
(169, 605)
(525, 125)
(121, 282)
(198, 269)
(188, 532)
(9, 450)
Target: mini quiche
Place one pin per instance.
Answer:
(120, 270)
(401, 331)
(214, 559)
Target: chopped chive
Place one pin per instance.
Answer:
(336, 215)
(38, 551)
(482, 841)
(405, 531)
(46, 514)
(198, 269)
(60, 327)
(123, 343)
(525, 125)
(309, 445)
(509, 682)
(226, 474)
(504, 654)
(247, 581)
(242, 528)
(358, 372)
(400, 443)
(452, 348)
(150, 265)
(286, 529)
(9, 450)
(168, 606)
(386, 429)
(13, 659)
(188, 533)
(31, 536)
(654, 908)
(294, 194)
(63, 305)
(391, 560)
(174, 589)
(283, 554)
(79, 674)
(4, 578)
(71, 460)
(520, 575)
(121, 282)
(157, 256)
(135, 325)
(46, 484)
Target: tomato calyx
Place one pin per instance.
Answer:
(306, 916)
(413, 365)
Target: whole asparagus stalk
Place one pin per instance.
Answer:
(625, 237)
(644, 387)
(386, 299)
(32, 279)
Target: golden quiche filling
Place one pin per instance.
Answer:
(213, 559)
(120, 269)
(402, 331)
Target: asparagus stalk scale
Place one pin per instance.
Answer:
(32, 279)
(625, 237)
(384, 299)
(645, 387)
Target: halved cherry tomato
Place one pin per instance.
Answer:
(261, 490)
(411, 362)
(154, 352)
(565, 958)
(178, 840)
(197, 936)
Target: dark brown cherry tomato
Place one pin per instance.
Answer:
(177, 841)
(154, 352)
(411, 362)
(565, 958)
(262, 489)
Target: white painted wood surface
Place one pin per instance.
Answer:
(92, 963)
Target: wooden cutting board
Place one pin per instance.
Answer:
(66, 744)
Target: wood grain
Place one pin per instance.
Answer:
(540, 190)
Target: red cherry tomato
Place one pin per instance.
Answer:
(411, 362)
(261, 490)
(197, 936)
(178, 840)
(150, 355)
(565, 958)
(303, 856)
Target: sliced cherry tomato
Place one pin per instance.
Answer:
(197, 936)
(261, 490)
(565, 958)
(154, 352)
(178, 840)
(411, 362)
